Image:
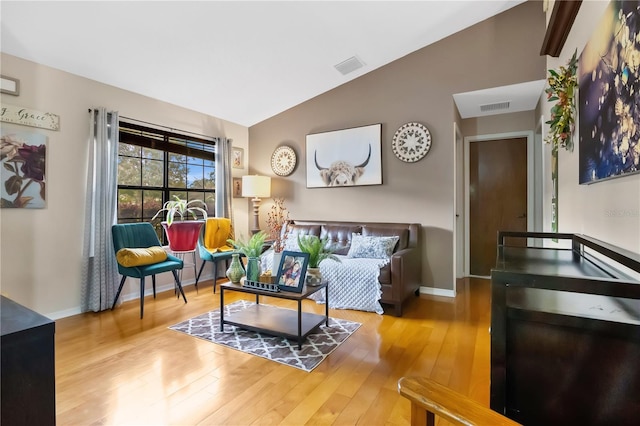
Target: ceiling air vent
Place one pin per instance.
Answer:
(495, 107)
(350, 65)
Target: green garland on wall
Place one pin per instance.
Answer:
(562, 90)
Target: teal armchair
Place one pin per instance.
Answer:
(213, 246)
(142, 235)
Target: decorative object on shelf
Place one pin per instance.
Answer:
(283, 160)
(609, 102)
(252, 249)
(292, 271)
(274, 288)
(235, 270)
(350, 157)
(182, 234)
(317, 250)
(257, 187)
(562, 90)
(237, 158)
(411, 142)
(9, 86)
(22, 170)
(253, 268)
(29, 117)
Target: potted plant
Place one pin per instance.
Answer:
(318, 251)
(182, 234)
(252, 249)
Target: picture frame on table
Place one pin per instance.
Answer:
(292, 271)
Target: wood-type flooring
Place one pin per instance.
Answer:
(112, 368)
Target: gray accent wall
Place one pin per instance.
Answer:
(419, 87)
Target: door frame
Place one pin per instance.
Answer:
(458, 206)
(530, 183)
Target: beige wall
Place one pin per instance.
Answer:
(41, 249)
(419, 87)
(607, 210)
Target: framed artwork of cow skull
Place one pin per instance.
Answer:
(349, 157)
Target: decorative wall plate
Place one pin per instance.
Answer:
(283, 160)
(411, 142)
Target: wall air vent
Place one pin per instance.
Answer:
(350, 65)
(495, 107)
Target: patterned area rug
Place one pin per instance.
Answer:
(315, 348)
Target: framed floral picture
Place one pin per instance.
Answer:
(22, 169)
(237, 158)
(237, 187)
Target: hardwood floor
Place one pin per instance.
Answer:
(112, 368)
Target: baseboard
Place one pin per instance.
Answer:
(128, 297)
(64, 313)
(437, 291)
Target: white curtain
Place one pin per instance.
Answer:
(223, 178)
(99, 267)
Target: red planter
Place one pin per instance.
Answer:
(183, 235)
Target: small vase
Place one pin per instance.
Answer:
(314, 277)
(235, 271)
(253, 268)
(275, 264)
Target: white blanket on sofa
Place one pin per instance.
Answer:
(353, 283)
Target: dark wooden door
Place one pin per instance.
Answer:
(497, 197)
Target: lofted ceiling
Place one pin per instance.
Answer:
(240, 61)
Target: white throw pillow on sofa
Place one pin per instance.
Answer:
(372, 247)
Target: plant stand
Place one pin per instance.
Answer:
(180, 255)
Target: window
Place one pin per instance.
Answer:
(154, 165)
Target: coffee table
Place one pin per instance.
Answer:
(274, 320)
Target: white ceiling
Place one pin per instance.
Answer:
(240, 61)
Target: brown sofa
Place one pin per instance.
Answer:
(400, 278)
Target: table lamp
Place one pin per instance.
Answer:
(256, 187)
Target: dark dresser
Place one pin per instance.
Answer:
(27, 366)
(565, 332)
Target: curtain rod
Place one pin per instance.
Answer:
(160, 126)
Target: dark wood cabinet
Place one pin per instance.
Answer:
(27, 367)
(565, 333)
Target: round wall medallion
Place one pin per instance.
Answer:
(411, 142)
(283, 160)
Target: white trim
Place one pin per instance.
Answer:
(130, 296)
(437, 291)
(458, 206)
(63, 314)
(530, 180)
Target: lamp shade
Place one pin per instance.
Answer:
(256, 186)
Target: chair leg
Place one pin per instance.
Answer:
(141, 297)
(193, 254)
(124, 277)
(199, 273)
(215, 275)
(175, 277)
(153, 282)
